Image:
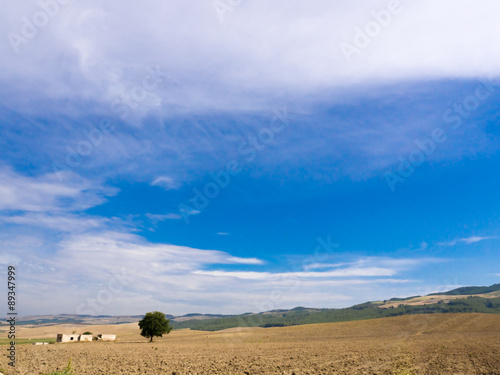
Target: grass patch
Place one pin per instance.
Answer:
(68, 370)
(25, 341)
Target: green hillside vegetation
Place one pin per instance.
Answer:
(470, 290)
(26, 341)
(481, 299)
(363, 311)
(395, 299)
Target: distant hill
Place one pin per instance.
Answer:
(478, 299)
(471, 290)
(47, 320)
(368, 310)
(50, 320)
(475, 299)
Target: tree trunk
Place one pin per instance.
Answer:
(151, 339)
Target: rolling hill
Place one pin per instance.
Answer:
(461, 300)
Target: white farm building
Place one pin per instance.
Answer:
(67, 338)
(75, 338)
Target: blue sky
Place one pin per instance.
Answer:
(195, 159)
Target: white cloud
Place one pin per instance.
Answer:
(155, 218)
(393, 263)
(46, 194)
(108, 49)
(83, 266)
(246, 70)
(60, 222)
(347, 272)
(351, 282)
(9, 259)
(237, 260)
(166, 182)
(313, 266)
(467, 240)
(88, 261)
(111, 245)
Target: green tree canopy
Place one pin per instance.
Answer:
(154, 324)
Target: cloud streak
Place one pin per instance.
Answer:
(46, 194)
(467, 240)
(101, 43)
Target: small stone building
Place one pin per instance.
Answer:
(108, 337)
(75, 338)
(67, 338)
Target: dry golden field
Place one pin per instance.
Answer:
(420, 344)
(428, 300)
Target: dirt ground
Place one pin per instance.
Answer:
(419, 344)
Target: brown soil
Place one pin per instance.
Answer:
(419, 344)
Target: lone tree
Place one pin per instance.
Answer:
(154, 324)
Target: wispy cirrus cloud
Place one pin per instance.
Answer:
(83, 264)
(87, 261)
(254, 261)
(166, 182)
(394, 264)
(46, 193)
(347, 272)
(244, 75)
(239, 65)
(467, 240)
(363, 267)
(155, 218)
(64, 222)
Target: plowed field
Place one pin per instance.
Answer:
(420, 344)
